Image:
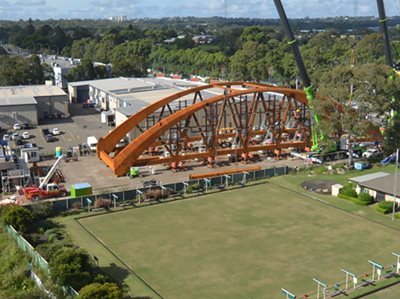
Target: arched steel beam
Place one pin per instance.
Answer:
(127, 157)
(107, 143)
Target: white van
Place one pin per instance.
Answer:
(92, 143)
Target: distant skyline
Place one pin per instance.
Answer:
(103, 9)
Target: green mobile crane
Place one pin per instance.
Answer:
(388, 50)
(316, 134)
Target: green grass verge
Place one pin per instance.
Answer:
(384, 287)
(387, 293)
(14, 279)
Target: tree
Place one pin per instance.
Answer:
(360, 90)
(84, 71)
(2, 51)
(17, 216)
(35, 70)
(71, 266)
(100, 291)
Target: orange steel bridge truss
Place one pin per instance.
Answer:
(198, 123)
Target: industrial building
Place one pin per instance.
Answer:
(31, 104)
(126, 96)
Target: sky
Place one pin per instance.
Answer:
(70, 9)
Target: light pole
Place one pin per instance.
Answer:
(395, 185)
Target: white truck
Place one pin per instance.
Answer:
(92, 143)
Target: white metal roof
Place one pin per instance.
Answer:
(369, 177)
(16, 101)
(31, 91)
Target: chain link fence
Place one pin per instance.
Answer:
(37, 259)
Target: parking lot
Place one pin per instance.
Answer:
(74, 130)
(85, 122)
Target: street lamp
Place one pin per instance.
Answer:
(395, 185)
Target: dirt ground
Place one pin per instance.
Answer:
(90, 169)
(319, 186)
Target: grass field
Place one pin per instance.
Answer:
(246, 243)
(390, 293)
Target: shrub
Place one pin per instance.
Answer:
(76, 205)
(17, 216)
(364, 197)
(71, 266)
(102, 203)
(193, 187)
(384, 207)
(348, 190)
(355, 200)
(42, 210)
(156, 194)
(101, 291)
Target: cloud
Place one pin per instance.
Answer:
(16, 9)
(30, 3)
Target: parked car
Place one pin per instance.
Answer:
(50, 138)
(56, 131)
(45, 132)
(371, 152)
(26, 135)
(19, 141)
(88, 104)
(15, 136)
(17, 126)
(30, 145)
(6, 137)
(26, 126)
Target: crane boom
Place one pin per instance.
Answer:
(385, 33)
(293, 43)
(51, 172)
(308, 88)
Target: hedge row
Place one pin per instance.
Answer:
(384, 207)
(355, 200)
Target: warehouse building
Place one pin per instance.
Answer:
(31, 104)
